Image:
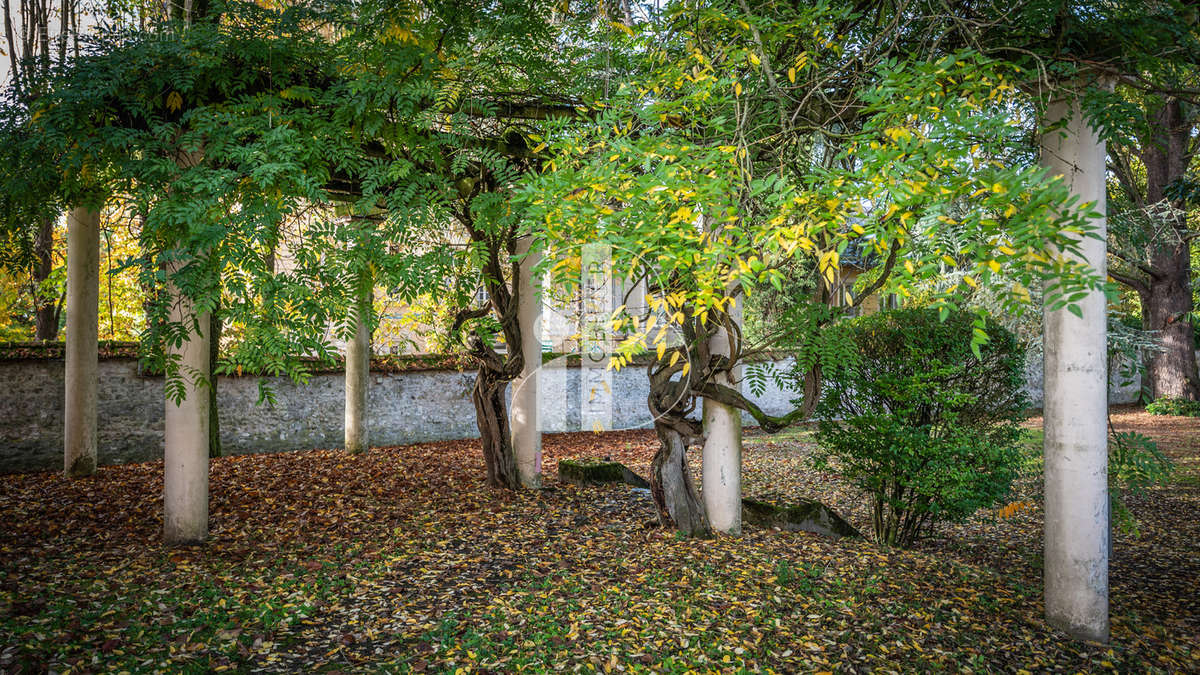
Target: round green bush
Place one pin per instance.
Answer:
(919, 422)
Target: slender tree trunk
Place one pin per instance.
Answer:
(46, 307)
(82, 352)
(491, 413)
(358, 371)
(1076, 406)
(672, 487)
(526, 424)
(185, 456)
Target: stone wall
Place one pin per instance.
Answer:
(404, 407)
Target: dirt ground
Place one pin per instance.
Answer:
(401, 560)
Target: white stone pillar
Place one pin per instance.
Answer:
(721, 474)
(1076, 406)
(526, 423)
(358, 370)
(185, 457)
(81, 349)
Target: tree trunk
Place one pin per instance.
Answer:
(491, 413)
(1168, 300)
(45, 305)
(672, 487)
(1172, 372)
(1076, 405)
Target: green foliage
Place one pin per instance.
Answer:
(1135, 463)
(1174, 406)
(342, 141)
(920, 422)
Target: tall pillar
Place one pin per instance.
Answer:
(358, 369)
(1076, 406)
(526, 425)
(185, 456)
(81, 352)
(721, 474)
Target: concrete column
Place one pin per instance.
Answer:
(1076, 406)
(83, 306)
(358, 370)
(721, 474)
(185, 457)
(526, 424)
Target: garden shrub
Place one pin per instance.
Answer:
(1181, 407)
(920, 422)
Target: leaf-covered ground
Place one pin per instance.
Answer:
(401, 560)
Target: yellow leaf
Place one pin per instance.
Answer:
(792, 75)
(174, 101)
(737, 88)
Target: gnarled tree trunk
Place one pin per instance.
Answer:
(672, 487)
(491, 414)
(671, 484)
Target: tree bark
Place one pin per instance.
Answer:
(81, 350)
(672, 487)
(1076, 406)
(670, 402)
(46, 310)
(1172, 373)
(491, 414)
(1168, 297)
